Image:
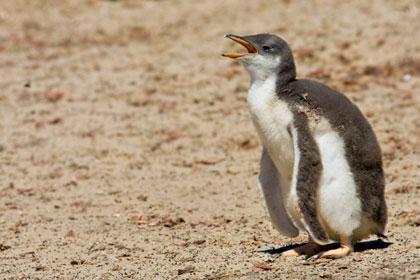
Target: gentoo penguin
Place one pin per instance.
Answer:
(321, 168)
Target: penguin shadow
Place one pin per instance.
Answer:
(358, 247)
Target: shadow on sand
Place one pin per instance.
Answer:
(358, 247)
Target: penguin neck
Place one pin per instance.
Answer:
(275, 81)
(261, 93)
(281, 76)
(262, 81)
(258, 74)
(269, 75)
(286, 73)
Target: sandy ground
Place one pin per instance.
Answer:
(127, 151)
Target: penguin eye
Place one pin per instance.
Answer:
(266, 48)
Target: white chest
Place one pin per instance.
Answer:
(271, 118)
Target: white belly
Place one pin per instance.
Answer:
(339, 204)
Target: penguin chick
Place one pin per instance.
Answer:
(321, 168)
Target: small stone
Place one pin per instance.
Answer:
(187, 269)
(4, 247)
(40, 268)
(54, 96)
(142, 197)
(263, 266)
(343, 267)
(70, 233)
(199, 242)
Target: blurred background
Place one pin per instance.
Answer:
(127, 152)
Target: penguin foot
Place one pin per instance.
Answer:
(331, 254)
(308, 249)
(345, 249)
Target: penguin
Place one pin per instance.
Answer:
(321, 168)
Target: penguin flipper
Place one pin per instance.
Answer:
(271, 188)
(307, 172)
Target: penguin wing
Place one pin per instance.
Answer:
(307, 173)
(270, 184)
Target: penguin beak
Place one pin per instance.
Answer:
(250, 47)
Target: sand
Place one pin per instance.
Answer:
(127, 151)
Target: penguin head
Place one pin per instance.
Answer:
(267, 55)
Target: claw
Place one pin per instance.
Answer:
(313, 258)
(310, 259)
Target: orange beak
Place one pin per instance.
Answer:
(250, 47)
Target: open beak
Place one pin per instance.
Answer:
(250, 47)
